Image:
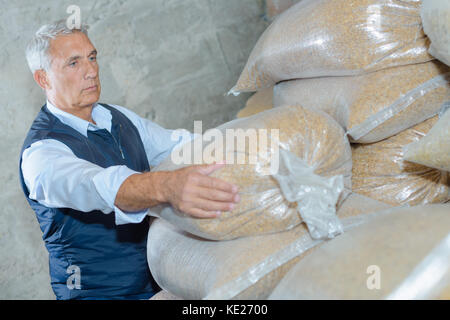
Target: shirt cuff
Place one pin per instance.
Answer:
(107, 183)
(124, 217)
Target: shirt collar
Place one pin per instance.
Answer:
(100, 115)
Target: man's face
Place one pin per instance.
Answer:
(73, 76)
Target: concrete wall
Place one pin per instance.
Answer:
(171, 61)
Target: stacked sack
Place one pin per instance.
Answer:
(293, 138)
(381, 172)
(403, 253)
(377, 105)
(322, 38)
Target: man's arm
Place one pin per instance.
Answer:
(190, 190)
(56, 178)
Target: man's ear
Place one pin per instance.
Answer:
(41, 78)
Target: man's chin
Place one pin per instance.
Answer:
(88, 103)
(91, 97)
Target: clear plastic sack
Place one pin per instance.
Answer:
(375, 259)
(380, 172)
(436, 24)
(433, 150)
(375, 106)
(322, 38)
(190, 267)
(258, 102)
(312, 136)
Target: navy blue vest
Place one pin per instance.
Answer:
(90, 256)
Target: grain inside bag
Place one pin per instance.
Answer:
(380, 171)
(392, 245)
(258, 102)
(433, 150)
(313, 137)
(322, 38)
(190, 267)
(375, 106)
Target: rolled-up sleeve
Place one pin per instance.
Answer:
(56, 178)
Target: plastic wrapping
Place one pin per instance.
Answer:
(435, 16)
(375, 106)
(374, 259)
(322, 38)
(433, 150)
(316, 196)
(379, 171)
(258, 102)
(190, 267)
(312, 136)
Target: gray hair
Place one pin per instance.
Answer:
(37, 49)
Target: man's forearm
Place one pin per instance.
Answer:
(141, 191)
(189, 190)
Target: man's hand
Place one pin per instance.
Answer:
(192, 191)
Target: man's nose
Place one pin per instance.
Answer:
(91, 70)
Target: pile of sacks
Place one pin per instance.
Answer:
(385, 108)
(360, 105)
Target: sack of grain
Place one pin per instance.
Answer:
(316, 141)
(190, 267)
(433, 150)
(375, 106)
(378, 260)
(322, 38)
(379, 171)
(258, 102)
(435, 16)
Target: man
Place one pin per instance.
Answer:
(83, 160)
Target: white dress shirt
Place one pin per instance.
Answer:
(56, 178)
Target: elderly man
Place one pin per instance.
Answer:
(83, 160)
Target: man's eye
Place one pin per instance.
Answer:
(72, 64)
(93, 58)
